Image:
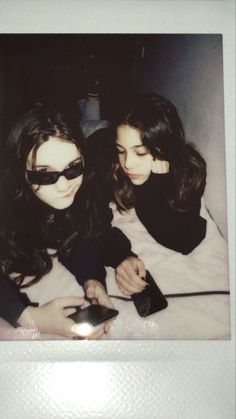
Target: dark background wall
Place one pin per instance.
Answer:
(187, 69)
(51, 67)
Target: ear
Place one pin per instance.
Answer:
(160, 166)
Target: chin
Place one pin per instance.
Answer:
(63, 203)
(138, 182)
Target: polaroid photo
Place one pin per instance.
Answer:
(184, 52)
(182, 243)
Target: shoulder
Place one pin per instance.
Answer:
(157, 184)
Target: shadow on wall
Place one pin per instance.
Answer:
(188, 70)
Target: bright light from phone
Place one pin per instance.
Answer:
(82, 329)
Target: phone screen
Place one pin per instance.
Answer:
(93, 314)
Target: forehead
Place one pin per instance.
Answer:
(55, 153)
(128, 136)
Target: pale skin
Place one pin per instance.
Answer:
(52, 318)
(137, 163)
(56, 155)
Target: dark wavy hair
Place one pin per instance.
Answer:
(163, 134)
(27, 230)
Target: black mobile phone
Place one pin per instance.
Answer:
(93, 314)
(150, 300)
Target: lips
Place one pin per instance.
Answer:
(69, 194)
(133, 175)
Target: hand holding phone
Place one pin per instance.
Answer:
(150, 300)
(93, 314)
(87, 320)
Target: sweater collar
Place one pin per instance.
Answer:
(160, 182)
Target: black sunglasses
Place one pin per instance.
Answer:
(49, 178)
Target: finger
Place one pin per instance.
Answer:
(126, 271)
(130, 288)
(107, 326)
(96, 291)
(98, 295)
(125, 287)
(136, 271)
(124, 291)
(164, 166)
(63, 302)
(122, 285)
(94, 301)
(90, 291)
(104, 300)
(128, 274)
(66, 312)
(97, 333)
(155, 166)
(160, 166)
(141, 269)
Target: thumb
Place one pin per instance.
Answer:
(90, 291)
(69, 302)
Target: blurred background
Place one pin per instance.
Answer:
(187, 69)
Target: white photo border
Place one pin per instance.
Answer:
(193, 379)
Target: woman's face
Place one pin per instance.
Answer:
(55, 155)
(135, 159)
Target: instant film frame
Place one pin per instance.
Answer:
(188, 70)
(129, 379)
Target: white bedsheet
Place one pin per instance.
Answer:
(201, 317)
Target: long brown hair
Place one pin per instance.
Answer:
(162, 133)
(26, 231)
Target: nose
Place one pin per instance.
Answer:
(130, 161)
(62, 184)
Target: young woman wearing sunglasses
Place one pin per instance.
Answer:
(47, 204)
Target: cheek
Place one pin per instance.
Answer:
(147, 163)
(43, 192)
(121, 159)
(78, 181)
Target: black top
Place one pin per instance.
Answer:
(84, 262)
(12, 301)
(181, 231)
(88, 257)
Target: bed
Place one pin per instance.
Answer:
(204, 317)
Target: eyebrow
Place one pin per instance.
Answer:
(135, 146)
(46, 166)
